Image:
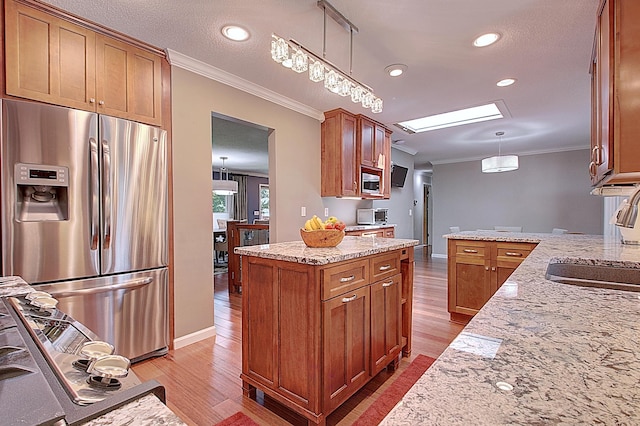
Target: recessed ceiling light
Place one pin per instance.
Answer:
(506, 82)
(235, 33)
(486, 39)
(395, 69)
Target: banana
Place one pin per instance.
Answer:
(308, 226)
(318, 222)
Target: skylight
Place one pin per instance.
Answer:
(453, 118)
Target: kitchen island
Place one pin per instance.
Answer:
(147, 409)
(319, 323)
(539, 352)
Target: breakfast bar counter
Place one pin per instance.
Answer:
(539, 352)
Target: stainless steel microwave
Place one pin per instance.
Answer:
(371, 216)
(370, 183)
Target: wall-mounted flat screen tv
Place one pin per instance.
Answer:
(398, 175)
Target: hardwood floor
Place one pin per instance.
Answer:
(203, 383)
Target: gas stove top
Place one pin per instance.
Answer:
(38, 349)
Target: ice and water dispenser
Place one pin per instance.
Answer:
(42, 192)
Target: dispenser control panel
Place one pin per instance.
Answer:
(40, 174)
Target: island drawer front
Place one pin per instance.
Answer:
(514, 252)
(471, 249)
(385, 265)
(344, 277)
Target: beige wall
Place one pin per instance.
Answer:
(294, 179)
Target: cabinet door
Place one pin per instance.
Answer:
(386, 173)
(340, 173)
(48, 59)
(366, 141)
(128, 81)
(386, 328)
(469, 276)
(346, 346)
(602, 151)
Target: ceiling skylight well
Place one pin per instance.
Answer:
(453, 118)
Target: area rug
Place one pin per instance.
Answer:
(394, 393)
(238, 419)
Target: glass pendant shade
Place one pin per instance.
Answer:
(299, 61)
(356, 94)
(316, 71)
(345, 88)
(332, 81)
(279, 49)
(376, 107)
(367, 100)
(500, 163)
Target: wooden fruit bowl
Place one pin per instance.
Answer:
(322, 237)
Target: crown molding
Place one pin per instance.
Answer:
(542, 151)
(185, 62)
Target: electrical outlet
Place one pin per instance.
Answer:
(326, 212)
(303, 211)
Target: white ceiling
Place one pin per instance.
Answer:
(546, 45)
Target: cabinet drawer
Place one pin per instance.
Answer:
(344, 277)
(469, 248)
(385, 265)
(513, 252)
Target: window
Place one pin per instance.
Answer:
(264, 201)
(222, 206)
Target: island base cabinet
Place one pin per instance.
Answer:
(313, 335)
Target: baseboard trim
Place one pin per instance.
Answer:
(194, 337)
(439, 256)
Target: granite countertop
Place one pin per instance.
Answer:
(349, 248)
(571, 354)
(146, 410)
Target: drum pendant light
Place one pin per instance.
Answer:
(224, 186)
(500, 163)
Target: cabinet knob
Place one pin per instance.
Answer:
(493, 268)
(92, 100)
(101, 103)
(486, 268)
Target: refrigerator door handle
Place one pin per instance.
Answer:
(106, 193)
(95, 191)
(129, 285)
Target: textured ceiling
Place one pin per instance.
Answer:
(546, 45)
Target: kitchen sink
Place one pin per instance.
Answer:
(601, 276)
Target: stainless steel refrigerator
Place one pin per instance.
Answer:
(84, 217)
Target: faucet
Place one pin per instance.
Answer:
(629, 211)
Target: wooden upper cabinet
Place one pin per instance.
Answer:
(53, 60)
(48, 59)
(129, 83)
(371, 141)
(340, 173)
(615, 156)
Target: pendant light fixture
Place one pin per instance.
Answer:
(224, 186)
(500, 163)
(298, 58)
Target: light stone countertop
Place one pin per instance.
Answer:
(146, 410)
(572, 354)
(368, 227)
(349, 248)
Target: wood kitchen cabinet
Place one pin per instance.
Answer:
(382, 232)
(351, 145)
(313, 335)
(615, 153)
(477, 269)
(52, 57)
(340, 171)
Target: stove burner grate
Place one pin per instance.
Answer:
(104, 382)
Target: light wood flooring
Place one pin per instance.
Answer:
(202, 380)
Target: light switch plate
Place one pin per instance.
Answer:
(303, 211)
(326, 212)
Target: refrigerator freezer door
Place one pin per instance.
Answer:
(42, 249)
(128, 310)
(134, 196)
